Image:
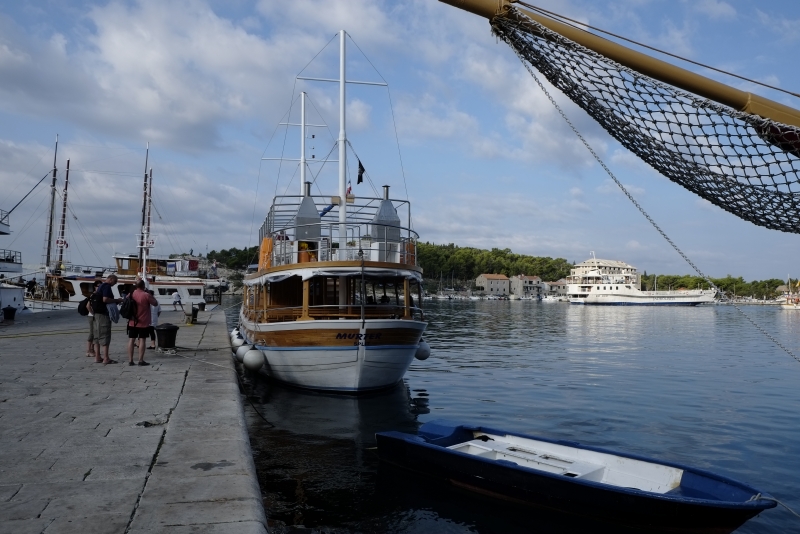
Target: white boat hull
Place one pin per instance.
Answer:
(622, 296)
(336, 355)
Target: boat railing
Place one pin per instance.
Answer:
(284, 248)
(74, 269)
(332, 312)
(12, 257)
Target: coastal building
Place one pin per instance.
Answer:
(525, 286)
(493, 284)
(557, 288)
(612, 269)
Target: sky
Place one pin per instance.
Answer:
(462, 131)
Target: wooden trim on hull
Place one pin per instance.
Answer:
(334, 337)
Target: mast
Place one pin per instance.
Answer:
(144, 211)
(146, 236)
(49, 244)
(342, 165)
(302, 143)
(61, 243)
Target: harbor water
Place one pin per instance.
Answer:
(699, 386)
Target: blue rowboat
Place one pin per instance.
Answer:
(616, 487)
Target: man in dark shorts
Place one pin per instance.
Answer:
(102, 323)
(139, 325)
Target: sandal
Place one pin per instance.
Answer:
(109, 361)
(131, 363)
(144, 363)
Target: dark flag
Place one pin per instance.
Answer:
(360, 173)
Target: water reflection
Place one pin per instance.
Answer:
(693, 385)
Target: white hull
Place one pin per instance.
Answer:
(635, 297)
(790, 306)
(349, 365)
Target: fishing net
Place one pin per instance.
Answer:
(743, 163)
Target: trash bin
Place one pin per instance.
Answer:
(201, 306)
(9, 312)
(194, 314)
(166, 334)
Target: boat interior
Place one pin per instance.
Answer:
(573, 462)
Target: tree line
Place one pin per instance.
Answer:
(462, 265)
(235, 258)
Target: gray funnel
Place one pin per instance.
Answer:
(386, 223)
(307, 220)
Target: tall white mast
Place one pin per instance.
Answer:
(342, 166)
(342, 150)
(302, 143)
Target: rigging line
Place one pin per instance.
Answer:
(643, 212)
(86, 237)
(164, 222)
(327, 127)
(29, 222)
(106, 173)
(374, 189)
(99, 227)
(579, 24)
(399, 154)
(335, 35)
(283, 149)
(394, 122)
(29, 192)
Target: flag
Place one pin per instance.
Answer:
(349, 187)
(360, 173)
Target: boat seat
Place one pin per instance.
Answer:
(494, 450)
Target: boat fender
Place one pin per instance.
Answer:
(241, 350)
(253, 360)
(236, 343)
(235, 332)
(423, 351)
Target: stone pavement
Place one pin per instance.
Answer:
(93, 448)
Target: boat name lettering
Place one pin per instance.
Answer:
(342, 335)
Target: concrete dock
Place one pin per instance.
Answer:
(92, 448)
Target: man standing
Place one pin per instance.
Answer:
(102, 323)
(139, 325)
(176, 301)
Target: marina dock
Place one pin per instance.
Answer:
(93, 448)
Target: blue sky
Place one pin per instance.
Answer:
(486, 160)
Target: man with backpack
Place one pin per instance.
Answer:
(139, 320)
(102, 323)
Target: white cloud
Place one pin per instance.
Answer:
(715, 9)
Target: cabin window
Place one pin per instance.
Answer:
(166, 290)
(195, 292)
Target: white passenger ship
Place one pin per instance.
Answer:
(334, 303)
(616, 283)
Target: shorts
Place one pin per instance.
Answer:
(91, 329)
(138, 333)
(102, 330)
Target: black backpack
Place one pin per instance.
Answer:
(127, 310)
(82, 307)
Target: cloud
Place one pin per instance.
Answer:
(715, 9)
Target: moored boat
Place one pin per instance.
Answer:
(332, 305)
(612, 486)
(616, 283)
